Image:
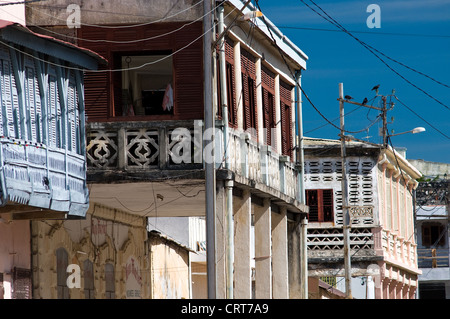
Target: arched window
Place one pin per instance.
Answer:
(110, 288)
(88, 271)
(62, 261)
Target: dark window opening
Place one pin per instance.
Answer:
(269, 117)
(145, 85)
(231, 104)
(433, 235)
(320, 202)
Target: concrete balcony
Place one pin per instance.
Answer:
(149, 151)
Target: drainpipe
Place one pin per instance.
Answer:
(210, 177)
(300, 152)
(228, 182)
(301, 193)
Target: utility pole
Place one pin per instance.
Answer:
(345, 208)
(345, 213)
(210, 172)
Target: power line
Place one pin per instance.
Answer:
(411, 110)
(19, 2)
(113, 70)
(303, 91)
(109, 26)
(368, 32)
(369, 48)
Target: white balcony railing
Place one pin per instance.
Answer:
(167, 145)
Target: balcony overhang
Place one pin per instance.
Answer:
(172, 193)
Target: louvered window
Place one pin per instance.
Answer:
(230, 83)
(110, 289)
(268, 92)
(109, 94)
(249, 92)
(433, 235)
(62, 261)
(88, 279)
(286, 119)
(320, 202)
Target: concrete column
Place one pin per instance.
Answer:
(297, 264)
(280, 255)
(242, 258)
(220, 240)
(263, 251)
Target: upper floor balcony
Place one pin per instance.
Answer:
(42, 133)
(157, 150)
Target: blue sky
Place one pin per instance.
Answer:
(335, 57)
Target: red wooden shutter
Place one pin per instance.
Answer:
(102, 93)
(313, 202)
(286, 119)
(248, 69)
(268, 90)
(321, 205)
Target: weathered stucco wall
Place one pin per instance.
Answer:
(170, 268)
(14, 252)
(113, 12)
(105, 236)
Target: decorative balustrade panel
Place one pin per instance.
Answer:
(102, 148)
(142, 148)
(144, 145)
(323, 239)
(290, 177)
(181, 145)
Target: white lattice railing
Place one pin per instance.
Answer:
(324, 239)
(181, 145)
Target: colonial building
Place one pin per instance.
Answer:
(432, 229)
(147, 145)
(383, 248)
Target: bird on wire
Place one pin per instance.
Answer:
(365, 101)
(348, 97)
(376, 87)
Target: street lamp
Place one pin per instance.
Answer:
(413, 131)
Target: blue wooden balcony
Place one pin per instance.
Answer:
(42, 133)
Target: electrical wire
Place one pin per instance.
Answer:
(415, 113)
(368, 32)
(19, 2)
(301, 88)
(124, 41)
(111, 70)
(369, 48)
(110, 26)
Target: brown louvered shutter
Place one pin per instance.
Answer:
(268, 91)
(103, 91)
(188, 69)
(320, 203)
(96, 84)
(286, 119)
(249, 91)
